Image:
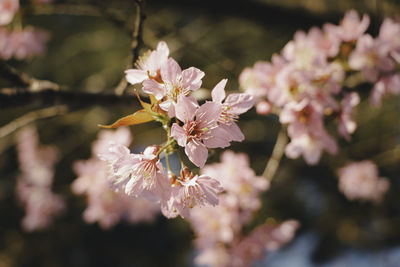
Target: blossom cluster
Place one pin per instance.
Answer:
(15, 41)
(219, 233)
(307, 84)
(103, 204)
(360, 181)
(189, 126)
(34, 183)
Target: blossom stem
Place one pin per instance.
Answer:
(276, 156)
(167, 160)
(181, 159)
(164, 147)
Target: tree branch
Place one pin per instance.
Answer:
(136, 44)
(31, 117)
(21, 79)
(276, 156)
(137, 39)
(11, 97)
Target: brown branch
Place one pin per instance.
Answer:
(21, 79)
(136, 44)
(11, 97)
(137, 39)
(276, 156)
(31, 117)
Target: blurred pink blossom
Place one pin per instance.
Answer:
(347, 124)
(190, 191)
(351, 27)
(360, 181)
(8, 8)
(35, 180)
(104, 205)
(22, 44)
(219, 230)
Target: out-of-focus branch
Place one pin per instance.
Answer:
(21, 79)
(11, 97)
(31, 117)
(82, 10)
(137, 34)
(66, 9)
(136, 44)
(276, 156)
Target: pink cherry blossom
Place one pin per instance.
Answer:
(149, 65)
(22, 44)
(360, 181)
(8, 8)
(34, 183)
(301, 51)
(189, 191)
(260, 81)
(238, 180)
(199, 130)
(175, 83)
(120, 136)
(326, 41)
(265, 237)
(389, 36)
(351, 27)
(347, 125)
(388, 84)
(137, 174)
(233, 106)
(103, 204)
(370, 57)
(263, 108)
(216, 224)
(307, 132)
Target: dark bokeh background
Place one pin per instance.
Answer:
(89, 53)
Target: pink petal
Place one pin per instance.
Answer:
(134, 76)
(233, 132)
(217, 138)
(170, 71)
(162, 49)
(191, 78)
(179, 134)
(197, 153)
(208, 112)
(134, 187)
(218, 93)
(240, 103)
(154, 88)
(185, 108)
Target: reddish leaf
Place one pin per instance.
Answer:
(138, 117)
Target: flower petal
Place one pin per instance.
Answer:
(218, 93)
(197, 153)
(134, 76)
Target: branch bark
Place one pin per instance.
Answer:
(276, 156)
(11, 97)
(31, 117)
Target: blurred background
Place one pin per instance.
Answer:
(88, 52)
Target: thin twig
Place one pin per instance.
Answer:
(136, 44)
(276, 156)
(21, 79)
(137, 39)
(14, 97)
(31, 117)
